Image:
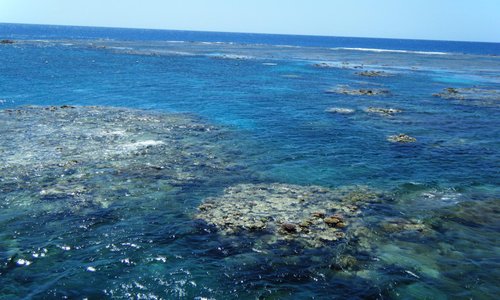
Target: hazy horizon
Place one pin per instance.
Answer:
(239, 32)
(445, 20)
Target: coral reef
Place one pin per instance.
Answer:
(373, 74)
(401, 138)
(475, 96)
(97, 155)
(358, 92)
(6, 42)
(310, 215)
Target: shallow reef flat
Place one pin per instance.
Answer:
(352, 233)
(311, 215)
(346, 90)
(286, 180)
(95, 155)
(300, 221)
(374, 74)
(60, 162)
(474, 96)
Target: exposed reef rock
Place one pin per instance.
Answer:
(358, 92)
(340, 110)
(450, 93)
(374, 74)
(343, 65)
(323, 65)
(231, 56)
(478, 96)
(310, 215)
(401, 138)
(91, 156)
(383, 111)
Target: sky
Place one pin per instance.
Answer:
(462, 20)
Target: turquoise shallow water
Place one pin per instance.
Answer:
(104, 203)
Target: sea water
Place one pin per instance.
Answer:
(111, 139)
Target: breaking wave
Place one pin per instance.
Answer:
(391, 51)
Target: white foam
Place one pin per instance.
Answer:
(390, 51)
(161, 258)
(231, 56)
(142, 144)
(340, 110)
(217, 43)
(180, 53)
(23, 262)
(120, 48)
(412, 274)
(288, 46)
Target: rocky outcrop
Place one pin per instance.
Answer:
(323, 65)
(401, 138)
(373, 74)
(477, 96)
(358, 92)
(383, 111)
(343, 65)
(310, 215)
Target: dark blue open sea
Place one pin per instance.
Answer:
(150, 164)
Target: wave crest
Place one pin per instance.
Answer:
(391, 51)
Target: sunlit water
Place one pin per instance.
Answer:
(103, 202)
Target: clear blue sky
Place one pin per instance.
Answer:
(468, 20)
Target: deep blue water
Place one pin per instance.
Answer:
(26, 31)
(272, 98)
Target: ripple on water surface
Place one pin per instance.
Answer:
(108, 197)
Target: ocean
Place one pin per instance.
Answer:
(157, 164)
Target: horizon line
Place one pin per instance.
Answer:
(256, 33)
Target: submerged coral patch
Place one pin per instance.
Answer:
(91, 156)
(310, 215)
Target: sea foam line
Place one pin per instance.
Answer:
(391, 51)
